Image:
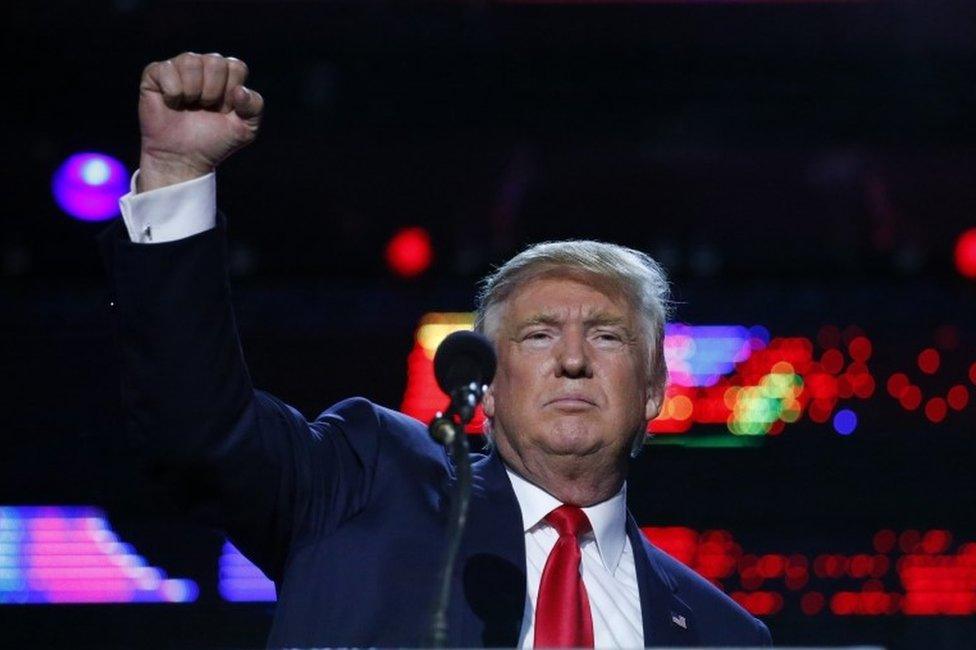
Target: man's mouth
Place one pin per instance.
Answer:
(571, 402)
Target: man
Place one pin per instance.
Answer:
(347, 513)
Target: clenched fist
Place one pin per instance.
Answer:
(194, 112)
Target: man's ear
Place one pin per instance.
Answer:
(655, 398)
(488, 404)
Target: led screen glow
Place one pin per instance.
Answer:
(239, 580)
(738, 378)
(69, 555)
(912, 572)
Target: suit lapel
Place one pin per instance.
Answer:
(492, 560)
(491, 577)
(668, 621)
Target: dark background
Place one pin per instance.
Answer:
(792, 164)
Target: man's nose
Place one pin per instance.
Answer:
(573, 358)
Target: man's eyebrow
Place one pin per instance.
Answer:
(602, 318)
(539, 319)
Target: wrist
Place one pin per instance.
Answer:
(156, 172)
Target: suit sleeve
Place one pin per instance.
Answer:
(763, 638)
(232, 456)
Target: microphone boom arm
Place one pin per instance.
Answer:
(448, 429)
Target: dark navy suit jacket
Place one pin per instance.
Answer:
(347, 513)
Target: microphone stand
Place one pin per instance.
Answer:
(448, 429)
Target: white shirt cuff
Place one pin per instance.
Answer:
(172, 212)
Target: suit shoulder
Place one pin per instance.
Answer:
(721, 620)
(360, 418)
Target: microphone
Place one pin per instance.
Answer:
(463, 358)
(464, 365)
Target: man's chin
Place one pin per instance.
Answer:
(572, 443)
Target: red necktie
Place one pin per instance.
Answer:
(562, 613)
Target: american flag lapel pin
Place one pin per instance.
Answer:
(679, 620)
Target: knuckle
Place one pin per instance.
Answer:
(191, 61)
(236, 63)
(214, 64)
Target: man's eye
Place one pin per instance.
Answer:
(609, 336)
(537, 337)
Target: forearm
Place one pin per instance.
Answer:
(184, 378)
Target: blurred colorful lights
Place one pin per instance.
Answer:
(739, 377)
(67, 555)
(87, 186)
(918, 577)
(62, 555)
(699, 355)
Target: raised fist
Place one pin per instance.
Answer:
(194, 112)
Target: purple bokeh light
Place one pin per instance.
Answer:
(698, 355)
(845, 422)
(87, 186)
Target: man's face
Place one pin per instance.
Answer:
(573, 372)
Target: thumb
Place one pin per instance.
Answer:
(247, 103)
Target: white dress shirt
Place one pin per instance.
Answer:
(607, 565)
(188, 208)
(170, 213)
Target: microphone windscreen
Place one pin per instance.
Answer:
(464, 357)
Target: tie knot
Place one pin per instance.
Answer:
(569, 520)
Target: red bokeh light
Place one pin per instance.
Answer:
(409, 253)
(935, 409)
(844, 387)
(843, 603)
(897, 383)
(934, 582)
(859, 349)
(820, 410)
(958, 397)
(759, 603)
(884, 540)
(965, 254)
(812, 603)
(863, 385)
(928, 361)
(936, 541)
(972, 373)
(860, 565)
(908, 540)
(832, 361)
(771, 565)
(880, 566)
(910, 398)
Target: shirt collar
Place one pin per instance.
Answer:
(608, 518)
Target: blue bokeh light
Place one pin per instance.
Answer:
(845, 421)
(87, 186)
